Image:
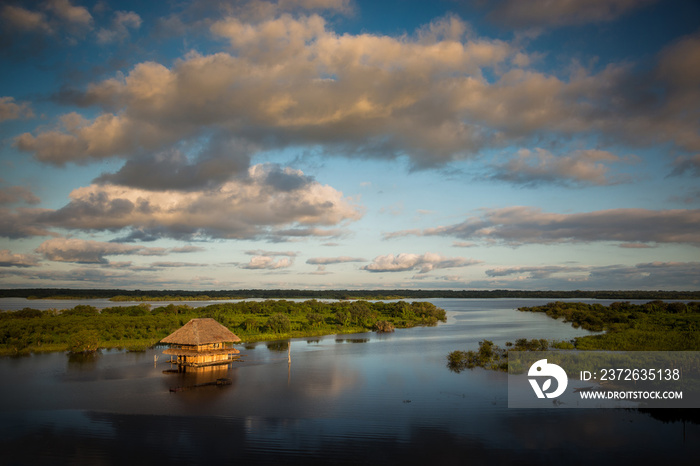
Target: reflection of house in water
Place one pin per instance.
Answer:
(201, 343)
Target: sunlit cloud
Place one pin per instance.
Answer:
(8, 259)
(642, 276)
(527, 225)
(90, 252)
(13, 194)
(252, 207)
(11, 110)
(539, 166)
(333, 260)
(268, 263)
(48, 17)
(122, 23)
(424, 263)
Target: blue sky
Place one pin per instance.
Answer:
(330, 144)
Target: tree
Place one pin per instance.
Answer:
(84, 341)
(279, 323)
(315, 319)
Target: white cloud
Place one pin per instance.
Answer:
(293, 81)
(83, 251)
(367, 93)
(21, 19)
(94, 252)
(260, 252)
(122, 22)
(526, 225)
(333, 260)
(51, 17)
(10, 110)
(12, 194)
(535, 272)
(254, 206)
(539, 166)
(642, 276)
(76, 15)
(8, 259)
(268, 263)
(423, 262)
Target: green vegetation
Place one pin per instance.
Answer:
(84, 328)
(181, 295)
(490, 356)
(654, 326)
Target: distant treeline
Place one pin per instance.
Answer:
(174, 295)
(85, 328)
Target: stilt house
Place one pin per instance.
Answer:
(201, 342)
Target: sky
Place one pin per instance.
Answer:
(350, 144)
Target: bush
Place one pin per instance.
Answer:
(279, 323)
(84, 341)
(382, 326)
(315, 319)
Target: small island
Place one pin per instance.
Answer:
(84, 328)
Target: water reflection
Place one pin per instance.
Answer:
(278, 346)
(107, 438)
(83, 361)
(351, 340)
(337, 402)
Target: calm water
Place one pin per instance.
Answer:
(346, 399)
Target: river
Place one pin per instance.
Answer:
(344, 399)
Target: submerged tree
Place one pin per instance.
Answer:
(84, 341)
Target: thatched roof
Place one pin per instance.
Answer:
(201, 332)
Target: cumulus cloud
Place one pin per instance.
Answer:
(51, 17)
(333, 260)
(526, 225)
(12, 194)
(245, 208)
(367, 94)
(435, 96)
(23, 223)
(21, 19)
(76, 15)
(83, 251)
(322, 262)
(171, 169)
(11, 110)
(187, 249)
(535, 272)
(652, 275)
(171, 265)
(122, 22)
(423, 262)
(252, 10)
(260, 252)
(8, 259)
(546, 13)
(687, 165)
(94, 252)
(268, 263)
(539, 166)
